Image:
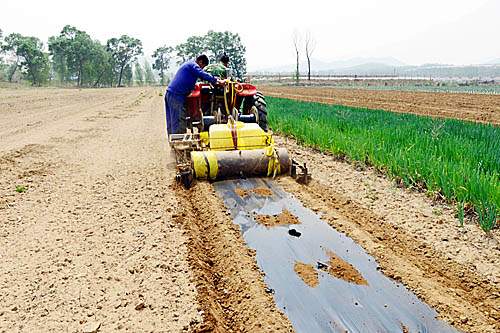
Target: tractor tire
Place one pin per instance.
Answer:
(260, 103)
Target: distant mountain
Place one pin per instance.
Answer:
(370, 68)
(493, 62)
(323, 66)
(387, 61)
(391, 66)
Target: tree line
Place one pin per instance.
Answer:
(73, 57)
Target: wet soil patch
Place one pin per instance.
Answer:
(307, 273)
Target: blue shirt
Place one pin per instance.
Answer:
(185, 78)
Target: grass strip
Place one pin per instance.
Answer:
(458, 159)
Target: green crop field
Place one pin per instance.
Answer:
(460, 160)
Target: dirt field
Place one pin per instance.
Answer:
(103, 239)
(480, 108)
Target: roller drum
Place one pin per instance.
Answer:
(228, 164)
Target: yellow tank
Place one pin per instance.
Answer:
(238, 135)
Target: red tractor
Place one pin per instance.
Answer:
(227, 136)
(208, 104)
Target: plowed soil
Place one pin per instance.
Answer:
(479, 108)
(91, 243)
(103, 239)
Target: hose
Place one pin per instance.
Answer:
(235, 89)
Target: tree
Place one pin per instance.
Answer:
(310, 46)
(219, 43)
(127, 75)
(162, 57)
(149, 76)
(100, 69)
(34, 63)
(192, 47)
(2, 65)
(296, 44)
(75, 56)
(138, 74)
(123, 50)
(57, 49)
(215, 44)
(71, 51)
(4, 48)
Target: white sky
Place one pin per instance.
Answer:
(415, 32)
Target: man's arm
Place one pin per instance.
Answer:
(201, 74)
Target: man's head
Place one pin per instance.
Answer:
(224, 59)
(202, 60)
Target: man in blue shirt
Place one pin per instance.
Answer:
(180, 87)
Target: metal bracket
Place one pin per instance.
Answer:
(300, 173)
(185, 178)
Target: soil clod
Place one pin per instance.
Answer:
(341, 269)
(307, 273)
(283, 218)
(259, 191)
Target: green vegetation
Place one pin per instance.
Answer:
(458, 159)
(77, 57)
(214, 44)
(73, 58)
(123, 50)
(29, 57)
(21, 188)
(162, 57)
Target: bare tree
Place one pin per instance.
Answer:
(296, 44)
(310, 46)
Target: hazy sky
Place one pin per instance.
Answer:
(415, 32)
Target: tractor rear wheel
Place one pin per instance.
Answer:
(259, 102)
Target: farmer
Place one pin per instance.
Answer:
(221, 69)
(180, 87)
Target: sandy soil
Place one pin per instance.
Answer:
(480, 108)
(91, 244)
(415, 240)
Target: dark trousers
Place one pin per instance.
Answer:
(175, 109)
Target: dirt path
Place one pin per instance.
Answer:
(474, 107)
(415, 240)
(91, 242)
